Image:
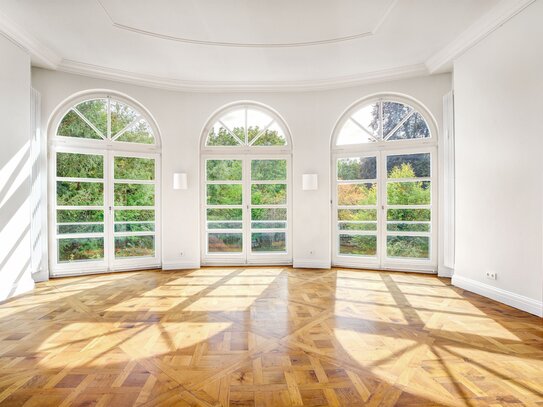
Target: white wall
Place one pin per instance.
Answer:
(498, 88)
(311, 117)
(15, 252)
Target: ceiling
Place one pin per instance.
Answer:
(250, 43)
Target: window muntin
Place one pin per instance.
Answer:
(246, 127)
(382, 121)
(106, 118)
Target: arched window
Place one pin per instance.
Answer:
(246, 187)
(246, 125)
(104, 183)
(382, 120)
(385, 185)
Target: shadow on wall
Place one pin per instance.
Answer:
(15, 215)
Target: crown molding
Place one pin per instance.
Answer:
(489, 22)
(101, 72)
(41, 55)
(194, 41)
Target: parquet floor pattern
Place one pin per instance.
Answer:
(265, 336)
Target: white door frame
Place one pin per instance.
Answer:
(381, 261)
(245, 257)
(108, 263)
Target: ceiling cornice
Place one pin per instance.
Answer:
(216, 86)
(194, 41)
(489, 22)
(41, 55)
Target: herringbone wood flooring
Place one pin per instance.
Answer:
(265, 337)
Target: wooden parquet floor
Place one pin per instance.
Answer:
(266, 336)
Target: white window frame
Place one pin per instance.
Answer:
(381, 149)
(246, 154)
(109, 149)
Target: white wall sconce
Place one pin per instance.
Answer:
(180, 180)
(310, 182)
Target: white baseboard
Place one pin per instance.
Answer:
(180, 265)
(514, 300)
(310, 264)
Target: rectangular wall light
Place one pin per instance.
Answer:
(310, 182)
(180, 180)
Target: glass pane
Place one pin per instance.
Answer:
(224, 242)
(131, 215)
(368, 118)
(273, 136)
(95, 111)
(224, 214)
(268, 242)
(408, 227)
(91, 248)
(269, 170)
(414, 127)
(408, 246)
(219, 136)
(357, 168)
(80, 165)
(360, 245)
(393, 114)
(83, 228)
(121, 116)
(268, 194)
(141, 133)
(357, 194)
(257, 121)
(134, 246)
(352, 133)
(357, 214)
(269, 225)
(134, 168)
(357, 226)
(224, 170)
(135, 227)
(235, 122)
(269, 214)
(224, 225)
(224, 194)
(72, 216)
(134, 195)
(80, 193)
(408, 166)
(409, 193)
(410, 215)
(72, 125)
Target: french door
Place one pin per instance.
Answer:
(246, 210)
(385, 210)
(105, 213)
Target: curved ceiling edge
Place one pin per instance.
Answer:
(250, 45)
(135, 78)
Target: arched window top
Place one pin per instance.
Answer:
(107, 118)
(383, 119)
(246, 125)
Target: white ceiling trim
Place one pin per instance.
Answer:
(499, 15)
(41, 55)
(247, 44)
(209, 86)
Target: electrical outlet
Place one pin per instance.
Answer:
(181, 254)
(491, 275)
(311, 252)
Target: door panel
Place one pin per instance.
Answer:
(246, 213)
(105, 217)
(384, 209)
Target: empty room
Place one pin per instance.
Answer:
(271, 203)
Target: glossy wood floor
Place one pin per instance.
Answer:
(265, 337)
